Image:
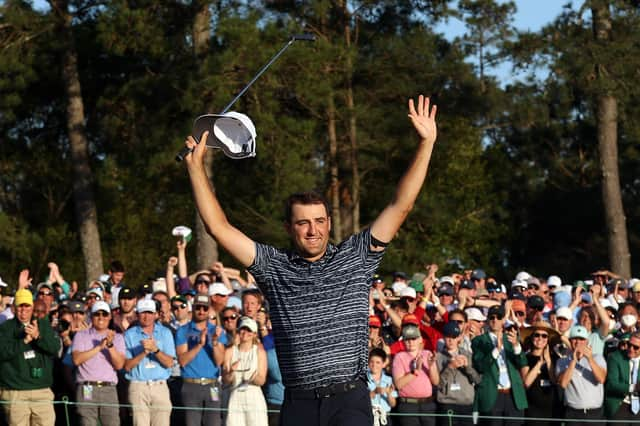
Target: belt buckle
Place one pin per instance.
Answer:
(322, 392)
(203, 381)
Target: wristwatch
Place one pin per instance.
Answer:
(110, 345)
(156, 351)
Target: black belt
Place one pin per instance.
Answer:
(324, 391)
(416, 400)
(98, 384)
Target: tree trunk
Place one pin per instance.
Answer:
(84, 202)
(206, 246)
(607, 119)
(353, 131)
(336, 220)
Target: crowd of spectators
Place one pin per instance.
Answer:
(462, 344)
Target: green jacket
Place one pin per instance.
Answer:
(27, 366)
(617, 385)
(486, 364)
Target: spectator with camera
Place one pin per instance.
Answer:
(26, 363)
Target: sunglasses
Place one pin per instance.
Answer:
(200, 308)
(533, 287)
(44, 293)
(100, 314)
(634, 347)
(519, 313)
(459, 322)
(180, 306)
(495, 317)
(94, 296)
(207, 282)
(540, 335)
(230, 317)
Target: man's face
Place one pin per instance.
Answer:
(146, 319)
(577, 343)
(633, 348)
(250, 305)
(24, 313)
(563, 324)
(116, 277)
(46, 295)
(127, 305)
(495, 322)
(40, 309)
(100, 320)
(179, 309)
(309, 230)
(200, 313)
(219, 301)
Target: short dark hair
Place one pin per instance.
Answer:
(459, 312)
(305, 198)
(380, 353)
(116, 266)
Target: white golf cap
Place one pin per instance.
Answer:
(522, 276)
(219, 288)
(518, 283)
(2, 283)
(146, 305)
(233, 132)
(447, 279)
(408, 292)
(159, 286)
(397, 287)
(100, 306)
(565, 313)
(475, 314)
(554, 281)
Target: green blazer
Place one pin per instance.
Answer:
(617, 385)
(485, 364)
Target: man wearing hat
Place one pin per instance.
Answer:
(200, 350)
(98, 353)
(498, 356)
(458, 378)
(26, 359)
(150, 352)
(582, 375)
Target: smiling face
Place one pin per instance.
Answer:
(100, 320)
(309, 230)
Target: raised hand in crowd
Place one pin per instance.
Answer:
(219, 269)
(24, 281)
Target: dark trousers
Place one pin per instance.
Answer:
(420, 409)
(455, 409)
(577, 414)
(274, 414)
(197, 397)
(175, 393)
(504, 407)
(352, 408)
(624, 413)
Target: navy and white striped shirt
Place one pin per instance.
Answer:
(319, 310)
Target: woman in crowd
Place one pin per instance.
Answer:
(415, 374)
(539, 374)
(245, 369)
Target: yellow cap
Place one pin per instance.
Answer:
(23, 297)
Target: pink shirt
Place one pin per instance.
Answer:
(97, 368)
(420, 386)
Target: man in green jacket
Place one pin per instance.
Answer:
(28, 346)
(621, 400)
(498, 356)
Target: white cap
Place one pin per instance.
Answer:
(247, 322)
(2, 283)
(518, 283)
(233, 132)
(522, 276)
(100, 306)
(447, 279)
(95, 290)
(159, 286)
(564, 312)
(475, 314)
(219, 288)
(554, 281)
(408, 292)
(146, 305)
(397, 287)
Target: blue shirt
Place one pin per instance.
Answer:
(379, 399)
(273, 387)
(202, 365)
(149, 368)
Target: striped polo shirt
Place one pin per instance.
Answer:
(319, 310)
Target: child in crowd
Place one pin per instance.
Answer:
(383, 394)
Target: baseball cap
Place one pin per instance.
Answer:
(533, 280)
(232, 131)
(410, 332)
(146, 305)
(200, 299)
(126, 293)
(410, 319)
(445, 289)
(76, 306)
(159, 286)
(179, 298)
(374, 321)
(564, 312)
(400, 274)
(451, 329)
(475, 314)
(554, 281)
(96, 290)
(397, 287)
(447, 279)
(23, 297)
(478, 274)
(493, 287)
(561, 299)
(578, 332)
(145, 289)
(468, 284)
(219, 288)
(522, 276)
(100, 306)
(519, 283)
(535, 302)
(408, 292)
(247, 322)
(376, 279)
(496, 310)
(416, 285)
